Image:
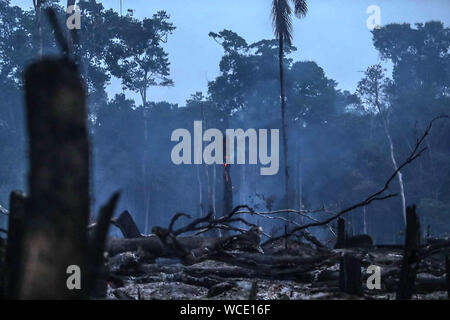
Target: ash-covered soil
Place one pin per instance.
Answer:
(133, 277)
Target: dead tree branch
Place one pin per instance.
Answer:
(376, 196)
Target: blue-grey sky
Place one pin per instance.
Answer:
(334, 34)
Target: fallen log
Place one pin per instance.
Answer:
(153, 246)
(220, 288)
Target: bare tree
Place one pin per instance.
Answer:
(372, 91)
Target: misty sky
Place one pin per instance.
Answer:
(334, 34)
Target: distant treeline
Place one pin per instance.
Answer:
(338, 140)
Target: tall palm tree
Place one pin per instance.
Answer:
(282, 26)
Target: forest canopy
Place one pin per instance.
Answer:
(339, 149)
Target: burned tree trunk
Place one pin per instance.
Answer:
(127, 225)
(411, 256)
(97, 272)
(55, 233)
(227, 184)
(350, 279)
(14, 248)
(341, 235)
(447, 271)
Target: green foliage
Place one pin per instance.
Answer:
(338, 148)
(136, 55)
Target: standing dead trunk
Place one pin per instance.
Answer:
(14, 250)
(283, 121)
(97, 272)
(205, 166)
(200, 193)
(383, 112)
(38, 12)
(350, 279)
(447, 270)
(364, 221)
(55, 234)
(410, 257)
(145, 180)
(146, 183)
(227, 184)
(214, 191)
(341, 235)
(399, 174)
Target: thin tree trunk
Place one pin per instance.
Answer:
(283, 121)
(37, 9)
(227, 183)
(399, 174)
(200, 193)
(384, 117)
(214, 191)
(364, 220)
(144, 162)
(205, 166)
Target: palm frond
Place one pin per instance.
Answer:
(282, 20)
(300, 8)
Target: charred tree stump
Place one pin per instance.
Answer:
(14, 249)
(97, 269)
(55, 233)
(350, 279)
(411, 255)
(127, 226)
(341, 235)
(447, 271)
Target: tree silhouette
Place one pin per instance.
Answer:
(282, 25)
